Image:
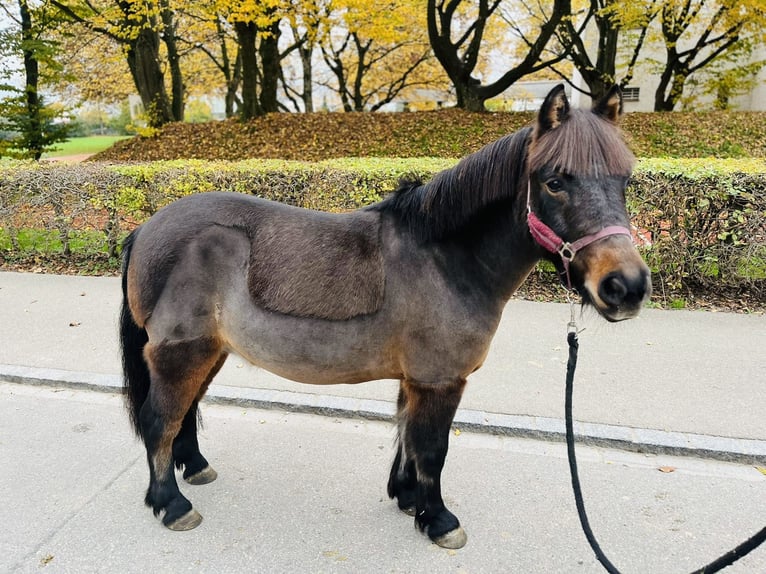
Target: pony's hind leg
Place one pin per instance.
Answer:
(186, 452)
(178, 370)
(426, 412)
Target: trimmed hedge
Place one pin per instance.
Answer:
(708, 222)
(706, 218)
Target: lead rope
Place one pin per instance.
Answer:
(719, 564)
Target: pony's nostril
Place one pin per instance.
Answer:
(616, 289)
(613, 290)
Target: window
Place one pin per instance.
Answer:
(630, 94)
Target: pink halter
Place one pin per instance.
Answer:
(551, 242)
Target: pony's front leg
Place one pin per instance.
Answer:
(426, 412)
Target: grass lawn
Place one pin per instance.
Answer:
(89, 144)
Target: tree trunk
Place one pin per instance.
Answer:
(663, 103)
(34, 135)
(269, 53)
(605, 73)
(232, 87)
(361, 54)
(667, 103)
(231, 73)
(246, 35)
(144, 64)
(176, 78)
(468, 97)
(307, 96)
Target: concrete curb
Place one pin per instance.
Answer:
(744, 451)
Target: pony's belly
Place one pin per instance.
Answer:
(310, 351)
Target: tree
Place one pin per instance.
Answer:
(308, 20)
(459, 56)
(620, 28)
(209, 48)
(376, 54)
(23, 113)
(93, 67)
(724, 79)
(257, 24)
(140, 27)
(696, 33)
(170, 38)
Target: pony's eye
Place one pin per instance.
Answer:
(555, 185)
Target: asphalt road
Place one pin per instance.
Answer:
(305, 493)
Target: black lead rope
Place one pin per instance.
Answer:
(719, 564)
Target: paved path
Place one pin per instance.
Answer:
(76, 158)
(304, 493)
(693, 381)
(301, 493)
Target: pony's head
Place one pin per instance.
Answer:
(578, 166)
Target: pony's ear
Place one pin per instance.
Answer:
(554, 110)
(610, 106)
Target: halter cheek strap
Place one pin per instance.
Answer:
(549, 240)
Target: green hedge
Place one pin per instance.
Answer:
(708, 221)
(707, 218)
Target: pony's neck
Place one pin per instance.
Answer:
(506, 252)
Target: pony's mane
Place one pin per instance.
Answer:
(584, 145)
(441, 206)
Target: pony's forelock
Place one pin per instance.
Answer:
(584, 145)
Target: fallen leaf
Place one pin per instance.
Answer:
(667, 469)
(761, 469)
(45, 560)
(457, 432)
(337, 556)
(74, 324)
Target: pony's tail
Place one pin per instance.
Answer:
(132, 341)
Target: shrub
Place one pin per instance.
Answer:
(706, 218)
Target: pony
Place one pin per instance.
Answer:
(411, 288)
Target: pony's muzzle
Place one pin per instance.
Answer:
(624, 294)
(616, 280)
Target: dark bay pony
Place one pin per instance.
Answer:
(411, 288)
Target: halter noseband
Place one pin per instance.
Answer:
(546, 238)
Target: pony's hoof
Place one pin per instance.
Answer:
(190, 520)
(204, 476)
(453, 539)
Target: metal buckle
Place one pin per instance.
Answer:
(567, 252)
